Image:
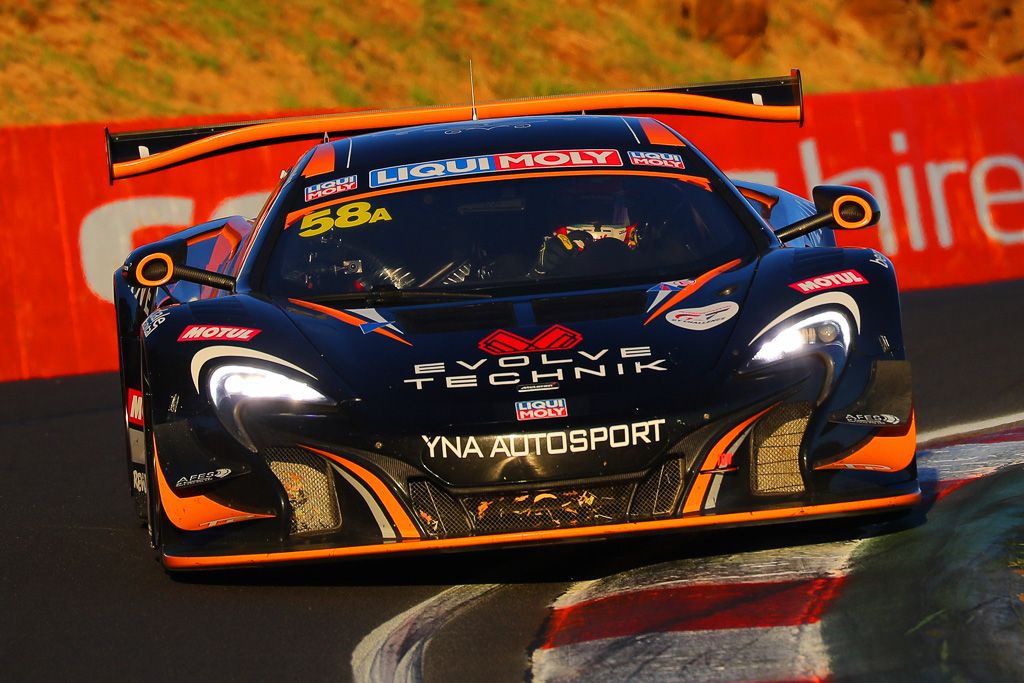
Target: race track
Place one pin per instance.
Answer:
(82, 596)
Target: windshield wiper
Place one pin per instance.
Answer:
(390, 296)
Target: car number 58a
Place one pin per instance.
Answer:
(345, 216)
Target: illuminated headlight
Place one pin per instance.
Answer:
(234, 387)
(829, 332)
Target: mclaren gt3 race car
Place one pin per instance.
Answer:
(536, 321)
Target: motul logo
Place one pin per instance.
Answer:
(135, 407)
(844, 278)
(217, 333)
(555, 338)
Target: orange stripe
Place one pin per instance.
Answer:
(347, 318)
(360, 121)
(659, 134)
(299, 213)
(321, 162)
(885, 452)
(692, 289)
(406, 529)
(695, 499)
(732, 518)
(767, 200)
(196, 513)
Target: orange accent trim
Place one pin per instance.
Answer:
(659, 134)
(732, 518)
(760, 197)
(848, 225)
(888, 451)
(299, 213)
(406, 529)
(166, 258)
(692, 289)
(321, 162)
(196, 513)
(695, 499)
(401, 118)
(347, 318)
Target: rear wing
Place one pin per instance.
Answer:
(778, 99)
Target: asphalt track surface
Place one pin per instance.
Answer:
(82, 596)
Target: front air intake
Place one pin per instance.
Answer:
(309, 484)
(775, 450)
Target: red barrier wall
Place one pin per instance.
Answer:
(946, 163)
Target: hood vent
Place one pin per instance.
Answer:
(456, 318)
(567, 309)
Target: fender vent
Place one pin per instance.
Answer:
(656, 496)
(775, 451)
(310, 487)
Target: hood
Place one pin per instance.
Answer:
(522, 363)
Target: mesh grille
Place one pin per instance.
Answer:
(775, 452)
(308, 482)
(656, 495)
(440, 514)
(552, 509)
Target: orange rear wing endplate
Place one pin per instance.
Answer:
(778, 99)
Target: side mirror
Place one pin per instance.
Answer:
(161, 263)
(839, 206)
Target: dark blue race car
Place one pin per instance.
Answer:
(542, 320)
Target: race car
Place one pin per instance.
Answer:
(544, 320)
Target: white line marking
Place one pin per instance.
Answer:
(394, 650)
(968, 427)
(631, 130)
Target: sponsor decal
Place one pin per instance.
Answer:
(536, 371)
(546, 443)
(880, 419)
(663, 159)
(493, 163)
(542, 386)
(663, 289)
(202, 478)
(135, 415)
(350, 215)
(844, 278)
(879, 259)
(541, 409)
(139, 482)
(155, 319)
(331, 187)
(703, 318)
(555, 338)
(175, 400)
(217, 333)
(229, 520)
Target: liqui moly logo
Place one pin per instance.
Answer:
(844, 278)
(663, 159)
(217, 333)
(494, 163)
(541, 409)
(329, 187)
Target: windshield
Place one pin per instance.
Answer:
(531, 232)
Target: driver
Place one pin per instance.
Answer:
(598, 218)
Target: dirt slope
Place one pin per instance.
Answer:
(91, 60)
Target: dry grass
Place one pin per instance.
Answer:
(91, 60)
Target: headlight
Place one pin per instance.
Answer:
(829, 332)
(234, 387)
